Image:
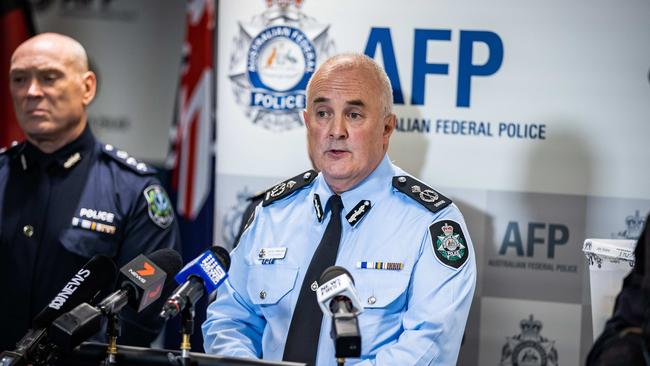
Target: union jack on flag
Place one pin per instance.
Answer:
(192, 157)
(193, 133)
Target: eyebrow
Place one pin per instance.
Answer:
(355, 102)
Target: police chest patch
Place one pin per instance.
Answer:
(449, 244)
(159, 206)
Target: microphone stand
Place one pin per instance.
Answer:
(187, 329)
(112, 332)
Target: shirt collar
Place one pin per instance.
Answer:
(66, 157)
(373, 188)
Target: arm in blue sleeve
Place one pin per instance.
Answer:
(233, 326)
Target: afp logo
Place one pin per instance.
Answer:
(529, 348)
(274, 56)
(467, 70)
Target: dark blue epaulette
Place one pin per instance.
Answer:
(6, 153)
(128, 161)
(288, 187)
(421, 193)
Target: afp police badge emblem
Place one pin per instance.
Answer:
(529, 348)
(450, 245)
(274, 56)
(159, 206)
(634, 225)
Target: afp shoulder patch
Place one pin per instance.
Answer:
(421, 193)
(289, 186)
(159, 206)
(449, 243)
(126, 160)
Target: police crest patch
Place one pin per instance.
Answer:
(529, 348)
(159, 206)
(449, 243)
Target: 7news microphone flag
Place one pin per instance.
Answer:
(193, 136)
(15, 27)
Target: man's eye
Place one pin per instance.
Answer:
(354, 115)
(50, 77)
(17, 79)
(321, 114)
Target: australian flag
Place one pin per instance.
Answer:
(15, 27)
(193, 135)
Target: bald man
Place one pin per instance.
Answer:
(405, 245)
(64, 196)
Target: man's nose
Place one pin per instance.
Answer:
(338, 128)
(34, 89)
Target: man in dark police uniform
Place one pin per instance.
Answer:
(64, 196)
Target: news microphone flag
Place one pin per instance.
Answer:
(94, 277)
(202, 275)
(211, 266)
(337, 281)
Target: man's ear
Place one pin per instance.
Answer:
(90, 87)
(305, 118)
(390, 122)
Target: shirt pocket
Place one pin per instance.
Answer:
(269, 287)
(88, 243)
(268, 284)
(384, 298)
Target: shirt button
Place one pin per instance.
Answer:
(28, 230)
(372, 300)
(262, 294)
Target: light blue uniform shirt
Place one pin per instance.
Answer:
(412, 316)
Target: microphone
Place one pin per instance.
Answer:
(140, 284)
(141, 281)
(34, 348)
(338, 298)
(202, 275)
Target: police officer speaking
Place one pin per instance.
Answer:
(405, 244)
(64, 196)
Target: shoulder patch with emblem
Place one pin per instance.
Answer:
(125, 159)
(289, 186)
(421, 193)
(449, 243)
(159, 206)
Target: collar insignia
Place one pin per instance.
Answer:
(318, 207)
(358, 212)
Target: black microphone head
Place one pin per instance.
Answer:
(334, 271)
(222, 255)
(96, 275)
(168, 260)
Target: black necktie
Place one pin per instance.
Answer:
(302, 340)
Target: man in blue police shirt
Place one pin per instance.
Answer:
(64, 196)
(408, 249)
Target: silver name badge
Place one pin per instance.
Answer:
(272, 253)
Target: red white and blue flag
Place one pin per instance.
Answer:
(193, 131)
(193, 136)
(15, 27)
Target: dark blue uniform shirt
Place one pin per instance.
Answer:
(59, 210)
